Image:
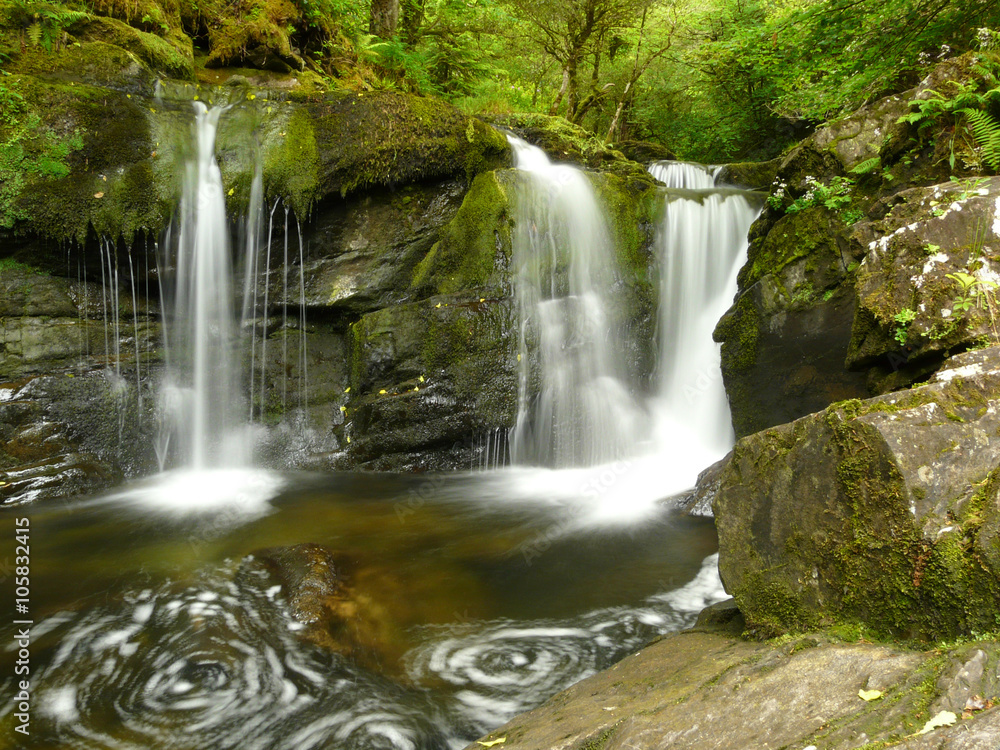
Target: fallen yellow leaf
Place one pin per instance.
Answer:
(231, 191)
(382, 392)
(348, 438)
(518, 357)
(869, 695)
(3, 484)
(943, 719)
(482, 299)
(437, 305)
(98, 195)
(347, 389)
(343, 408)
(491, 743)
(421, 378)
(416, 388)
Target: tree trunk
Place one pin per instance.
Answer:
(411, 19)
(572, 88)
(554, 109)
(384, 18)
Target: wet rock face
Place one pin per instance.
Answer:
(57, 440)
(882, 512)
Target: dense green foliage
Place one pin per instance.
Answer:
(716, 80)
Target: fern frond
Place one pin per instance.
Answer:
(986, 130)
(34, 34)
(867, 166)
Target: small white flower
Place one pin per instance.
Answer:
(946, 313)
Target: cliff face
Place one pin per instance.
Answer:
(847, 291)
(409, 356)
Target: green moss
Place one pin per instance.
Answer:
(802, 234)
(11, 265)
(473, 246)
(390, 138)
(91, 163)
(739, 332)
(601, 741)
(770, 608)
(291, 163)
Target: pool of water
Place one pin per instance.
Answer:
(471, 598)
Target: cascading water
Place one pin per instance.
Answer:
(684, 174)
(701, 246)
(583, 413)
(203, 392)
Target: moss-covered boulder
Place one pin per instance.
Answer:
(752, 175)
(927, 284)
(785, 340)
(807, 314)
(880, 512)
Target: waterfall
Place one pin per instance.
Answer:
(581, 412)
(701, 246)
(575, 407)
(202, 394)
(684, 174)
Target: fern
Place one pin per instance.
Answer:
(34, 34)
(986, 130)
(867, 166)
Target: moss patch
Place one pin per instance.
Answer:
(474, 246)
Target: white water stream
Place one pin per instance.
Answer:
(620, 449)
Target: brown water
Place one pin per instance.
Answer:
(484, 601)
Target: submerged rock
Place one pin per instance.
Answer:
(697, 689)
(882, 512)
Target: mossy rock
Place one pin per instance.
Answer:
(92, 166)
(474, 249)
(430, 379)
(565, 142)
(752, 175)
(343, 145)
(106, 52)
(911, 312)
(785, 339)
(391, 138)
(170, 57)
(870, 512)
